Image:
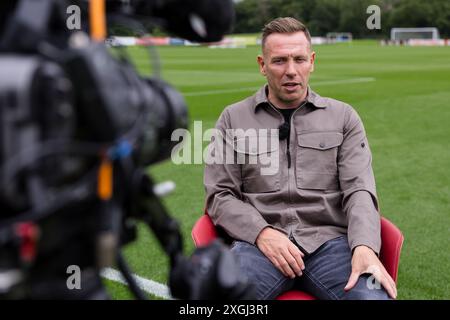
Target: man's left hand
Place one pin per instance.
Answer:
(365, 260)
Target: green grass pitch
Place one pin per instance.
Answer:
(403, 96)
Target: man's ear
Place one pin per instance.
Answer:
(313, 59)
(262, 66)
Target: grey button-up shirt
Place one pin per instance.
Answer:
(328, 190)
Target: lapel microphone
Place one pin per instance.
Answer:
(284, 130)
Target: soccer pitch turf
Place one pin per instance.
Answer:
(403, 96)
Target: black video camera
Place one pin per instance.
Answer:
(78, 127)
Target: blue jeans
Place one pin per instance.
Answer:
(326, 273)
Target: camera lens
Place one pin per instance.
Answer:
(166, 112)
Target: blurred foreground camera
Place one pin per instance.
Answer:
(78, 126)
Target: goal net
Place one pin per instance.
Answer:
(405, 34)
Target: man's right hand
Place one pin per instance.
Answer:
(285, 255)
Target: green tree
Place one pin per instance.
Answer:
(440, 16)
(411, 13)
(247, 18)
(325, 17)
(252, 15)
(300, 10)
(354, 17)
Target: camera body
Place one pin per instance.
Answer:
(78, 126)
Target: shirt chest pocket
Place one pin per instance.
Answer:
(316, 160)
(259, 162)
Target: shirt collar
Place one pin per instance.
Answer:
(311, 98)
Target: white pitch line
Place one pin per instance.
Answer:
(150, 286)
(320, 83)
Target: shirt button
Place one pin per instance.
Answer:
(322, 145)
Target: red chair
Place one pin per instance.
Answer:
(204, 232)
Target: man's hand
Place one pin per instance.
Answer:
(281, 252)
(364, 260)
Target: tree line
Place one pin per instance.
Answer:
(323, 16)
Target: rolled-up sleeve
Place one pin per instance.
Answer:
(223, 183)
(357, 183)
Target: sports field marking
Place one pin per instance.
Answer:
(319, 83)
(155, 288)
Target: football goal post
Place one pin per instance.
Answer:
(405, 34)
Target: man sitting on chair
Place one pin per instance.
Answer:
(311, 220)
